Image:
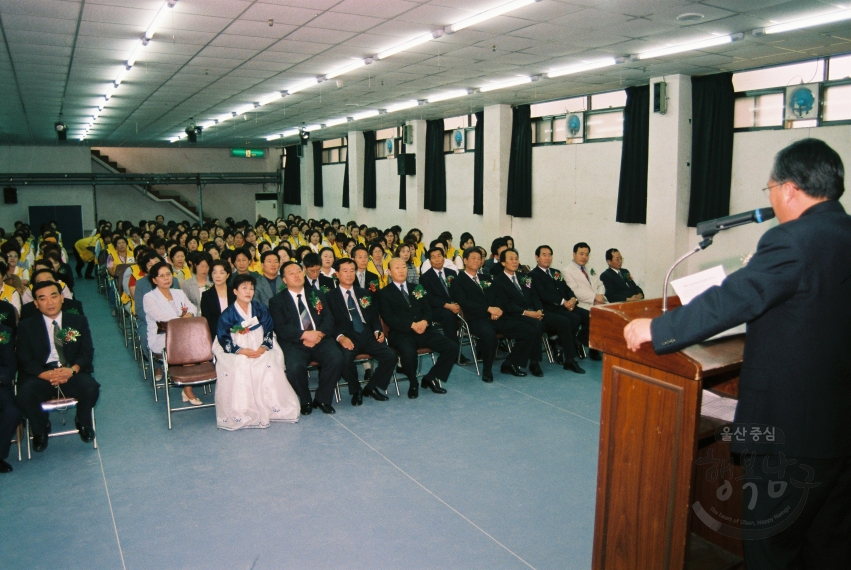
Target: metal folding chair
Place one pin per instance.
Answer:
(187, 359)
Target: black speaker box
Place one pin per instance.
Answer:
(406, 164)
(10, 195)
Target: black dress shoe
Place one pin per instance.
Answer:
(413, 389)
(357, 399)
(595, 355)
(40, 442)
(559, 357)
(5, 467)
(306, 410)
(434, 386)
(326, 409)
(535, 369)
(487, 376)
(513, 370)
(463, 361)
(375, 394)
(367, 374)
(87, 434)
(573, 366)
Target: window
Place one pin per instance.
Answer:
(780, 76)
(837, 103)
(609, 100)
(839, 68)
(550, 119)
(334, 151)
(382, 148)
(452, 124)
(604, 126)
(759, 111)
(560, 107)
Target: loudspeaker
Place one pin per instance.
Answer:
(660, 99)
(10, 195)
(406, 164)
(408, 134)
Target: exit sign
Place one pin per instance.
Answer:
(248, 152)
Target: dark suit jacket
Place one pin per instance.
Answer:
(7, 357)
(211, 310)
(28, 309)
(492, 267)
(795, 295)
(551, 291)
(474, 299)
(8, 316)
(437, 295)
(34, 346)
(324, 281)
(396, 312)
(510, 300)
(287, 321)
(617, 290)
(369, 277)
(340, 308)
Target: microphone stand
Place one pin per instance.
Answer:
(707, 241)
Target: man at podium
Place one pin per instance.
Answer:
(795, 296)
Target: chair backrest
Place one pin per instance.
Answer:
(102, 257)
(384, 327)
(119, 276)
(188, 341)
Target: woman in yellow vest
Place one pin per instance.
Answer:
(179, 268)
(376, 263)
(272, 236)
(8, 293)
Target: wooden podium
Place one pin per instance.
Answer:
(651, 434)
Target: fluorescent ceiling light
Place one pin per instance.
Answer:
(223, 118)
(669, 50)
(302, 86)
(405, 45)
(315, 127)
(345, 69)
(504, 84)
(270, 99)
(274, 137)
(403, 105)
(158, 20)
(581, 67)
(828, 18)
(335, 122)
(488, 14)
(448, 95)
(134, 55)
(365, 114)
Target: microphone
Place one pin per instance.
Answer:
(712, 227)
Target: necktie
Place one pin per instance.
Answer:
(516, 284)
(306, 323)
(582, 267)
(550, 273)
(476, 281)
(443, 282)
(405, 293)
(59, 344)
(316, 284)
(360, 280)
(353, 313)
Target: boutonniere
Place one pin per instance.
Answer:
(335, 278)
(5, 338)
(325, 289)
(593, 272)
(558, 276)
(238, 329)
(4, 316)
(485, 283)
(365, 302)
(69, 334)
(315, 302)
(71, 311)
(418, 292)
(373, 286)
(449, 279)
(527, 281)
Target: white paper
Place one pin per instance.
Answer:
(719, 407)
(689, 287)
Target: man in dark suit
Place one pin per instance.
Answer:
(493, 266)
(437, 281)
(10, 417)
(556, 296)
(619, 284)
(304, 327)
(516, 297)
(796, 377)
(313, 278)
(8, 316)
(358, 331)
(55, 355)
(363, 277)
(477, 298)
(406, 311)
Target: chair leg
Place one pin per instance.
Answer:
(18, 436)
(28, 438)
(396, 380)
(546, 340)
(167, 399)
(473, 352)
(94, 429)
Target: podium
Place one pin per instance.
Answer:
(651, 435)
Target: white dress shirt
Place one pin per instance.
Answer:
(53, 356)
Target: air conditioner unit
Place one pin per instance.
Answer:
(459, 136)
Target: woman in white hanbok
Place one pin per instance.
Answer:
(252, 389)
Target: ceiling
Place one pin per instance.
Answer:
(210, 57)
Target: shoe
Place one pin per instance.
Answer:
(326, 409)
(413, 390)
(194, 401)
(5, 467)
(595, 355)
(357, 398)
(434, 386)
(40, 442)
(399, 370)
(463, 361)
(513, 370)
(487, 376)
(535, 369)
(306, 410)
(376, 394)
(559, 357)
(573, 366)
(87, 434)
(367, 374)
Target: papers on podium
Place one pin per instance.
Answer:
(718, 407)
(687, 288)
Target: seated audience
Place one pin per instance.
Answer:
(586, 286)
(364, 278)
(314, 279)
(376, 264)
(618, 282)
(251, 387)
(270, 282)
(10, 417)
(218, 297)
(405, 252)
(194, 287)
(437, 282)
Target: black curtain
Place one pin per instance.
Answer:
(317, 174)
(403, 191)
(369, 169)
(292, 177)
(435, 168)
(346, 182)
(479, 166)
(520, 164)
(711, 147)
(632, 190)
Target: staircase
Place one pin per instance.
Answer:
(154, 194)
